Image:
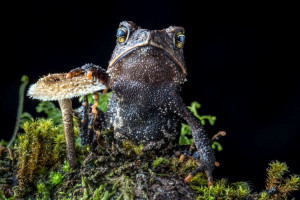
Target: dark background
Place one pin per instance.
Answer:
(241, 63)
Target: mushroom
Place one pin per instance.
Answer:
(57, 87)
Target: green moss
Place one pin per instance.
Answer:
(220, 190)
(100, 194)
(106, 195)
(124, 185)
(38, 149)
(3, 143)
(159, 161)
(42, 192)
(66, 166)
(56, 178)
(182, 168)
(108, 136)
(119, 181)
(201, 180)
(279, 181)
(130, 147)
(275, 172)
(4, 197)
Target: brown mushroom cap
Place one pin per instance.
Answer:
(57, 87)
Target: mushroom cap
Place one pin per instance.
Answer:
(57, 87)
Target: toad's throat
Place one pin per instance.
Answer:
(116, 60)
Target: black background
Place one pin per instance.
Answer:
(241, 63)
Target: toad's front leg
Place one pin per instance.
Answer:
(95, 72)
(204, 155)
(91, 71)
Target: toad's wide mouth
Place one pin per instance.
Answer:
(153, 45)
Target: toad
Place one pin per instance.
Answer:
(145, 73)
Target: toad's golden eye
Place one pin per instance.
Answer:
(122, 34)
(179, 40)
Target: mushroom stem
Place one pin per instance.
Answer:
(66, 109)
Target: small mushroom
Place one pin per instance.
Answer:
(58, 87)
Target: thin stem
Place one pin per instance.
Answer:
(24, 81)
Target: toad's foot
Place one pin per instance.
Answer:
(202, 167)
(186, 154)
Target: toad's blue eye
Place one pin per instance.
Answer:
(179, 40)
(122, 34)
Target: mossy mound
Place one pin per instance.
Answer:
(35, 169)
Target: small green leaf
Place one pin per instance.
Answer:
(217, 145)
(185, 129)
(183, 140)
